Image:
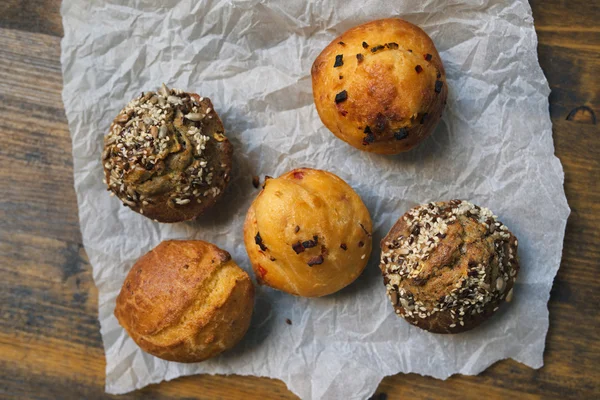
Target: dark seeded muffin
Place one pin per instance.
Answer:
(166, 155)
(381, 86)
(448, 266)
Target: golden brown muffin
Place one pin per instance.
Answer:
(166, 155)
(381, 86)
(185, 301)
(448, 266)
(308, 233)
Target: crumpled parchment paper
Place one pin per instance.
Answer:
(252, 58)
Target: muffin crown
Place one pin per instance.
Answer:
(308, 233)
(166, 148)
(380, 86)
(452, 257)
(185, 301)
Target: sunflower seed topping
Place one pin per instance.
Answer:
(153, 132)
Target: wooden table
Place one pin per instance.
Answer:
(50, 344)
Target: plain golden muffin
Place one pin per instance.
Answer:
(166, 155)
(308, 233)
(381, 86)
(448, 266)
(185, 301)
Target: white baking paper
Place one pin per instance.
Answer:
(252, 58)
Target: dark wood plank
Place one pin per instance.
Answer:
(50, 344)
(39, 16)
(35, 159)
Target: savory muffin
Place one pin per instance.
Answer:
(166, 155)
(381, 86)
(448, 266)
(308, 233)
(185, 301)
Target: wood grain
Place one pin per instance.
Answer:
(50, 345)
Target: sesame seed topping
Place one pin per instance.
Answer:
(404, 261)
(146, 133)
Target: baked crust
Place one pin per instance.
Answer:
(166, 155)
(185, 301)
(448, 266)
(308, 233)
(394, 82)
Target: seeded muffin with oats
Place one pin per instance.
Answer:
(166, 155)
(381, 86)
(308, 233)
(448, 266)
